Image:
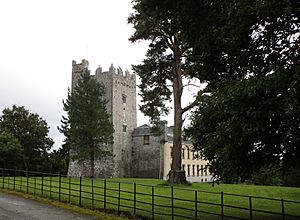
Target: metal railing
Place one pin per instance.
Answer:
(148, 201)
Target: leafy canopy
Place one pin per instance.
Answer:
(11, 152)
(249, 118)
(32, 133)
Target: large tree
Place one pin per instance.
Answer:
(31, 131)
(250, 124)
(249, 118)
(11, 152)
(87, 127)
(164, 70)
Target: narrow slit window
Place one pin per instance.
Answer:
(124, 99)
(146, 139)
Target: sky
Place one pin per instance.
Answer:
(40, 38)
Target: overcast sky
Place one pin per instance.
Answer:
(39, 40)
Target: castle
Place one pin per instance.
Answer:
(121, 95)
(137, 152)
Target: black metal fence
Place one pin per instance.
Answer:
(148, 201)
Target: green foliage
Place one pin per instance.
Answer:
(249, 117)
(233, 38)
(249, 124)
(87, 127)
(32, 133)
(150, 22)
(292, 176)
(267, 175)
(59, 161)
(11, 152)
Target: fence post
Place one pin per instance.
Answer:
(119, 198)
(42, 184)
(104, 194)
(222, 205)
(134, 198)
(27, 181)
(152, 202)
(59, 187)
(282, 208)
(34, 189)
(21, 182)
(172, 198)
(80, 184)
(50, 186)
(92, 193)
(14, 179)
(196, 204)
(250, 208)
(2, 179)
(69, 189)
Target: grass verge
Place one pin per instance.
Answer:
(152, 197)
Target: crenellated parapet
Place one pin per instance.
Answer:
(77, 70)
(116, 71)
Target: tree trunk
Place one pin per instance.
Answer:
(176, 175)
(92, 160)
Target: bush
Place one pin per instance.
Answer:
(292, 178)
(267, 175)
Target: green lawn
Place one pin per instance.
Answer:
(153, 191)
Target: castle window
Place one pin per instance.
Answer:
(188, 153)
(188, 170)
(182, 153)
(201, 170)
(193, 170)
(146, 139)
(183, 167)
(124, 97)
(171, 151)
(124, 128)
(123, 154)
(197, 170)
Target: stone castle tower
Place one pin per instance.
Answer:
(121, 95)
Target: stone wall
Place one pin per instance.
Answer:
(148, 151)
(121, 94)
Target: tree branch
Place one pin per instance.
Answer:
(190, 106)
(193, 104)
(192, 84)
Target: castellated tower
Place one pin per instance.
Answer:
(120, 90)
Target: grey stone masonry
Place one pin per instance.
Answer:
(120, 91)
(148, 151)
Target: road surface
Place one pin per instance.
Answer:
(18, 208)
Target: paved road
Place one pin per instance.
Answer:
(17, 208)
